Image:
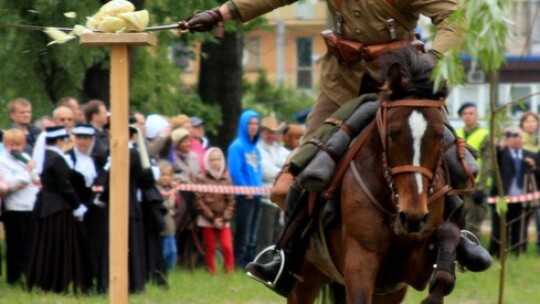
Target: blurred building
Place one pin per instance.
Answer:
(519, 78)
(291, 49)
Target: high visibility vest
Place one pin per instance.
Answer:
(475, 140)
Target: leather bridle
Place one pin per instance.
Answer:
(389, 171)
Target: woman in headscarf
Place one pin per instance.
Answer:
(58, 259)
(216, 211)
(85, 181)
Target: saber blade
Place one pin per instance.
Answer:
(28, 27)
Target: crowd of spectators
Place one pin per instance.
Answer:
(54, 187)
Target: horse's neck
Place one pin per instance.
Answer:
(370, 165)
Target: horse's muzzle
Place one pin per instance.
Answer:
(411, 224)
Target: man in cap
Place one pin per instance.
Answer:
(273, 157)
(476, 136)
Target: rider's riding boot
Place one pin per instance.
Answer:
(469, 253)
(280, 274)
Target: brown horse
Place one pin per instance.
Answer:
(392, 231)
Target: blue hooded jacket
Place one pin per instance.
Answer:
(243, 157)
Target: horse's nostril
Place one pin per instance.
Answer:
(414, 224)
(403, 218)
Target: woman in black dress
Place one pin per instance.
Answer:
(57, 259)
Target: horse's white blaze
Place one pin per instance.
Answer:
(418, 125)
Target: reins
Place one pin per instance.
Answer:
(381, 122)
(388, 172)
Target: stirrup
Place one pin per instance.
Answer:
(271, 285)
(470, 236)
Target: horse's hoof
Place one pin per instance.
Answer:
(432, 300)
(442, 282)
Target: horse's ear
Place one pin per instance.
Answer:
(394, 77)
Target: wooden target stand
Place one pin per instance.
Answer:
(119, 174)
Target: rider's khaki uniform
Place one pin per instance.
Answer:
(364, 21)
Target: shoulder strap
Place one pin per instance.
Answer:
(387, 6)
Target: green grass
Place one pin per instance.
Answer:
(199, 287)
(521, 280)
(196, 287)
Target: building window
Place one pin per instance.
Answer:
(304, 51)
(520, 95)
(251, 57)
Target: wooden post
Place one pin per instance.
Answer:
(119, 174)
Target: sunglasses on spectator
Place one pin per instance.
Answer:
(512, 134)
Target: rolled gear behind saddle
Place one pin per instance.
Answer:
(315, 162)
(458, 175)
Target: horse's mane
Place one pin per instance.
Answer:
(415, 70)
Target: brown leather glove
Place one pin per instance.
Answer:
(204, 21)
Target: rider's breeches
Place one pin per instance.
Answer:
(323, 108)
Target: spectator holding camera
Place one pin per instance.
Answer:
(530, 124)
(516, 166)
(476, 137)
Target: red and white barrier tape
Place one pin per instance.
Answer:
(265, 191)
(516, 199)
(240, 190)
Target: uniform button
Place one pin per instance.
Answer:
(357, 13)
(358, 31)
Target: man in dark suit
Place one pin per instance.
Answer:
(96, 114)
(514, 165)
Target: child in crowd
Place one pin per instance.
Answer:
(170, 201)
(216, 211)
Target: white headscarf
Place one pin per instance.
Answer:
(217, 174)
(85, 166)
(155, 123)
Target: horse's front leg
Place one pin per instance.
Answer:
(360, 272)
(306, 290)
(443, 279)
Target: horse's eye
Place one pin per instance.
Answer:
(394, 133)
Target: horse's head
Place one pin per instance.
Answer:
(411, 124)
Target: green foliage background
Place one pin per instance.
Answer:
(268, 98)
(43, 74)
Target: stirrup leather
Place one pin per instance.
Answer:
(271, 285)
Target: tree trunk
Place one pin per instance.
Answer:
(220, 82)
(96, 84)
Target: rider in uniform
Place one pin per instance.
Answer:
(371, 23)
